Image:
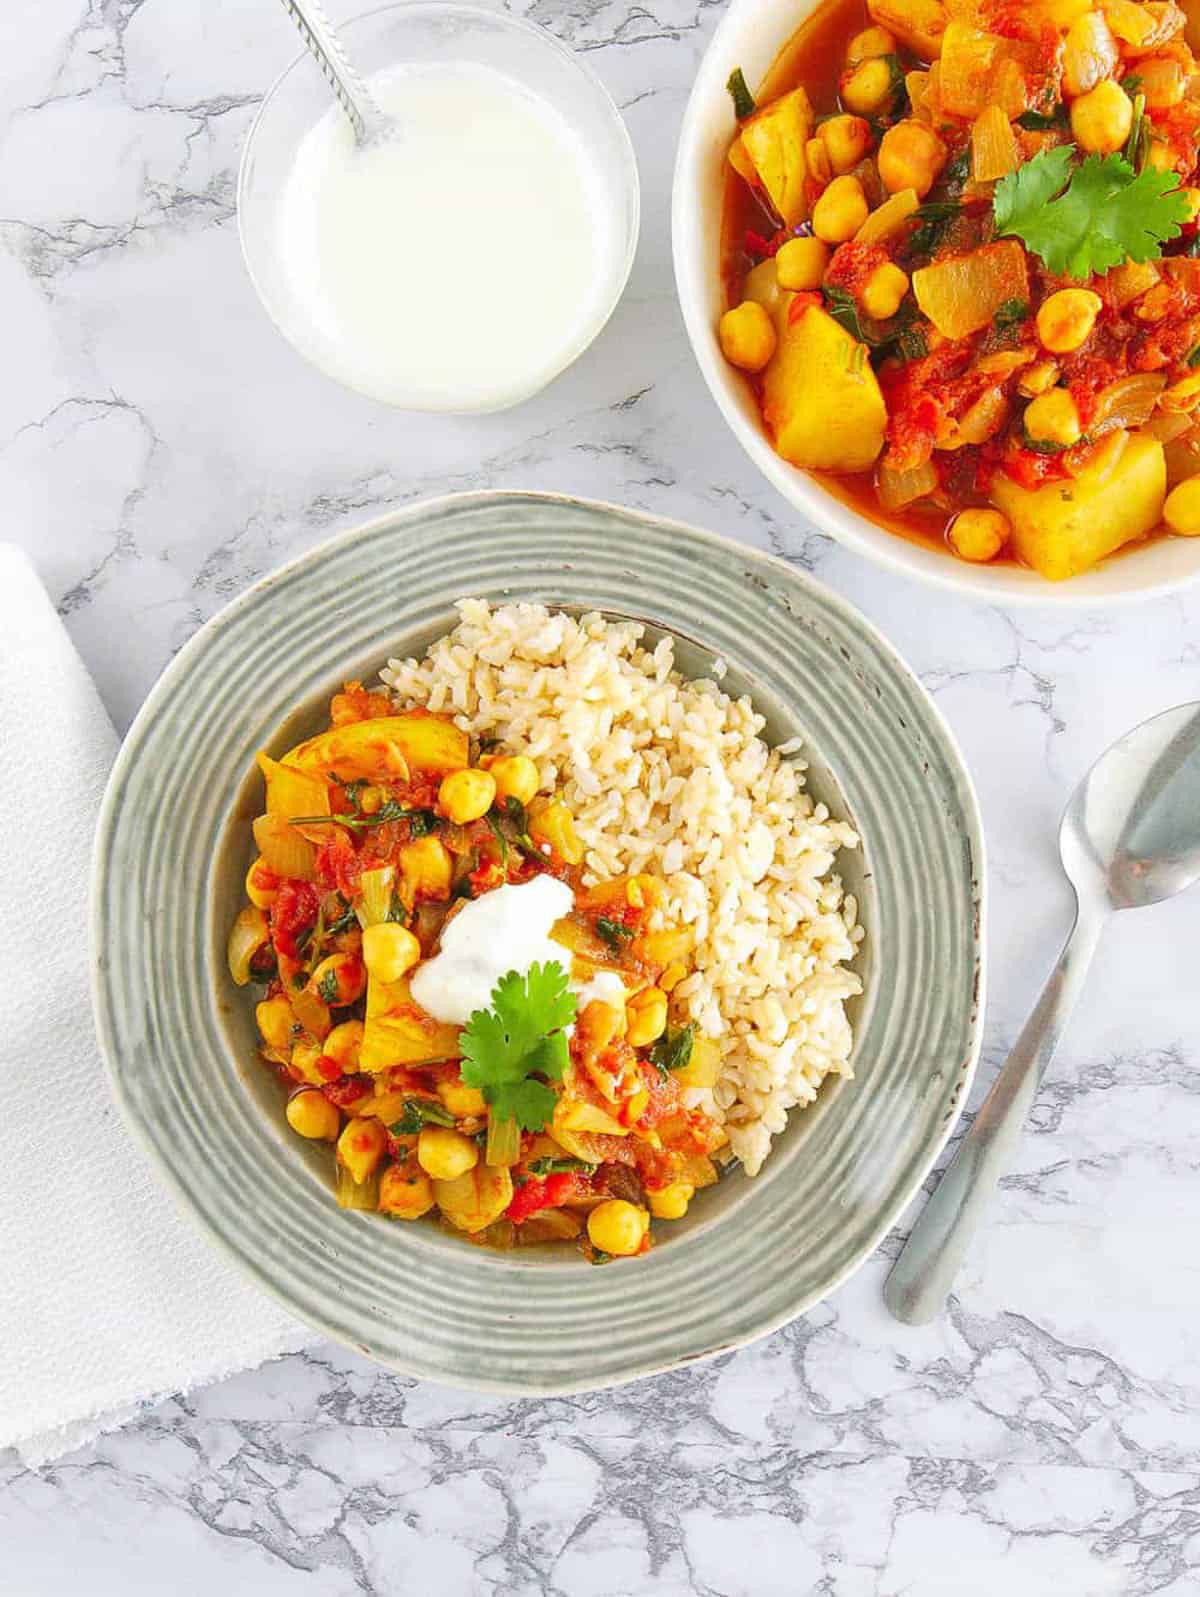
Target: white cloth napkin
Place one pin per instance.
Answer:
(108, 1297)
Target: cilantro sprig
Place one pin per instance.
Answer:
(423, 821)
(1085, 219)
(513, 1049)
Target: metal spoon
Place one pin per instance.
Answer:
(355, 99)
(1130, 837)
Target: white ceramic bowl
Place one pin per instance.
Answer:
(434, 32)
(750, 36)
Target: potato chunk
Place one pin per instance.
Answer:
(961, 295)
(774, 140)
(398, 1032)
(820, 397)
(387, 747)
(1065, 527)
(919, 24)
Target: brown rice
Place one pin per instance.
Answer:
(670, 776)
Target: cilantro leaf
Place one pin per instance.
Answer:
(1091, 218)
(518, 1039)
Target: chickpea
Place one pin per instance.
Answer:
(426, 869)
(910, 157)
(761, 285)
(302, 1062)
(467, 795)
(646, 1014)
(554, 824)
(310, 1114)
(1192, 196)
(747, 336)
(1182, 509)
(800, 263)
(671, 1203)
(343, 1044)
(846, 139)
(445, 1154)
(672, 976)
(841, 211)
(870, 42)
(460, 1099)
(1101, 118)
(1065, 320)
(515, 776)
(360, 1146)
(405, 1191)
(389, 950)
(1159, 157)
(979, 534)
(884, 290)
(617, 1227)
(1036, 379)
(816, 159)
(262, 884)
(867, 87)
(348, 983)
(1052, 418)
(275, 1021)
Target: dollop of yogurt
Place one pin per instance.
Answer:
(505, 930)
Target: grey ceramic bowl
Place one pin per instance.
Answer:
(173, 845)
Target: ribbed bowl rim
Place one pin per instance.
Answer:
(420, 1302)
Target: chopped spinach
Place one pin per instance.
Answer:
(614, 932)
(673, 1050)
(743, 100)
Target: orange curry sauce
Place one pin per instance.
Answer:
(1121, 345)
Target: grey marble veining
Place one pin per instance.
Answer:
(160, 447)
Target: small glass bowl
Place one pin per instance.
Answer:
(424, 34)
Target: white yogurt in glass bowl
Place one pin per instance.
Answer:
(462, 264)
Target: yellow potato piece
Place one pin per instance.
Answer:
(919, 24)
(1065, 527)
(472, 1201)
(368, 749)
(773, 141)
(398, 1032)
(820, 397)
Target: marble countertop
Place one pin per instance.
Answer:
(160, 447)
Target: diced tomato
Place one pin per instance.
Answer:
(328, 1068)
(853, 263)
(663, 1091)
(355, 703)
(486, 876)
(338, 864)
(546, 1192)
(758, 247)
(801, 302)
(348, 1090)
(294, 909)
(1032, 469)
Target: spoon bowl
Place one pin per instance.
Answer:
(1131, 832)
(1130, 837)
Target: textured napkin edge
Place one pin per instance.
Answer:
(47, 1447)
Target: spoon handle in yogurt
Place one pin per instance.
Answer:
(329, 53)
(921, 1278)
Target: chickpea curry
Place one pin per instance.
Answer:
(962, 260)
(479, 1034)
